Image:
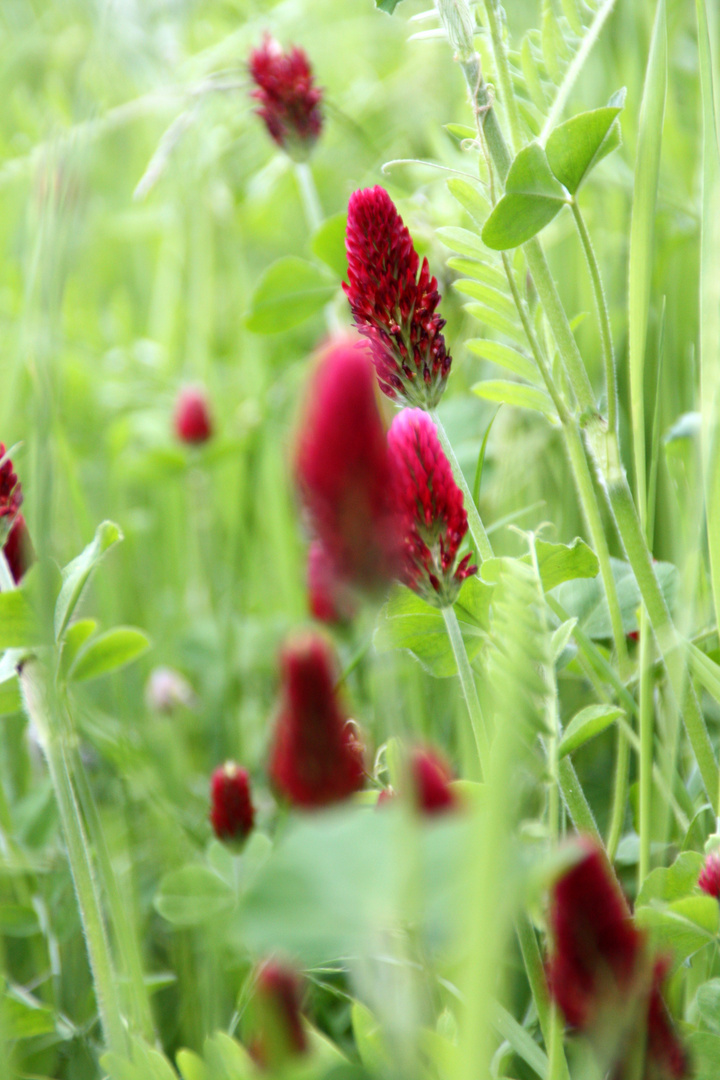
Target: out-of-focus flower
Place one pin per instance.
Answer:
(432, 507)
(315, 758)
(393, 300)
(344, 472)
(278, 1033)
(193, 423)
(709, 880)
(665, 1056)
(329, 598)
(431, 777)
(10, 495)
(167, 690)
(18, 550)
(289, 101)
(232, 813)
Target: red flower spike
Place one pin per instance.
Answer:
(329, 599)
(432, 507)
(18, 550)
(709, 880)
(289, 102)
(10, 495)
(393, 300)
(598, 953)
(279, 1034)
(232, 813)
(315, 758)
(665, 1056)
(193, 423)
(431, 778)
(343, 470)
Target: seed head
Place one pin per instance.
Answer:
(435, 519)
(343, 470)
(193, 423)
(393, 300)
(709, 880)
(288, 99)
(315, 759)
(232, 813)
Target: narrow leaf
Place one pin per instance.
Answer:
(77, 573)
(586, 724)
(511, 393)
(109, 652)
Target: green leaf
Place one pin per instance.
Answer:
(672, 882)
(517, 394)
(289, 291)
(76, 573)
(586, 724)
(18, 626)
(576, 147)
(387, 5)
(109, 652)
(532, 199)
(191, 1066)
(23, 1016)
(557, 563)
(585, 600)
(10, 699)
(227, 1059)
(74, 638)
(328, 244)
(17, 920)
(504, 356)
(369, 1040)
(704, 1049)
(463, 241)
(469, 198)
(521, 1040)
(193, 895)
(479, 290)
(708, 1004)
(407, 622)
(685, 926)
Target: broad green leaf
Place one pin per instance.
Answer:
(469, 198)
(668, 883)
(576, 147)
(18, 626)
(407, 622)
(585, 600)
(517, 394)
(109, 652)
(504, 356)
(191, 1066)
(193, 895)
(227, 1059)
(10, 699)
(387, 5)
(24, 1017)
(685, 926)
(557, 563)
(708, 1004)
(704, 1049)
(152, 1064)
(328, 244)
(586, 724)
(369, 1040)
(74, 638)
(76, 573)
(289, 291)
(532, 199)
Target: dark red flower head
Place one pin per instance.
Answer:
(329, 598)
(709, 880)
(289, 102)
(18, 550)
(344, 472)
(315, 758)
(10, 494)
(393, 300)
(435, 519)
(193, 423)
(278, 1034)
(431, 777)
(232, 813)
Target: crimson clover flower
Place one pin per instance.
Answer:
(329, 598)
(232, 813)
(431, 777)
(315, 759)
(193, 423)
(709, 880)
(289, 100)
(344, 472)
(393, 300)
(431, 503)
(279, 1034)
(15, 539)
(600, 974)
(18, 550)
(10, 494)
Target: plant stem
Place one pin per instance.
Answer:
(467, 681)
(49, 729)
(507, 95)
(308, 195)
(483, 547)
(646, 746)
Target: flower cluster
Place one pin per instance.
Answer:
(431, 503)
(315, 758)
(289, 101)
(232, 813)
(394, 301)
(15, 539)
(344, 473)
(600, 973)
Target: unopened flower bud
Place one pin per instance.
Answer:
(232, 813)
(289, 101)
(458, 22)
(193, 423)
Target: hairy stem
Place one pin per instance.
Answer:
(467, 681)
(483, 547)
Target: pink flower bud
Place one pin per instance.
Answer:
(18, 550)
(329, 598)
(709, 880)
(431, 777)
(279, 1033)
(432, 506)
(289, 101)
(193, 423)
(232, 813)
(344, 472)
(393, 300)
(315, 757)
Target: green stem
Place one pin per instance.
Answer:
(308, 195)
(646, 746)
(507, 93)
(574, 798)
(467, 681)
(603, 319)
(486, 116)
(620, 786)
(48, 727)
(483, 547)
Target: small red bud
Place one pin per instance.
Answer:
(431, 777)
(193, 423)
(231, 810)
